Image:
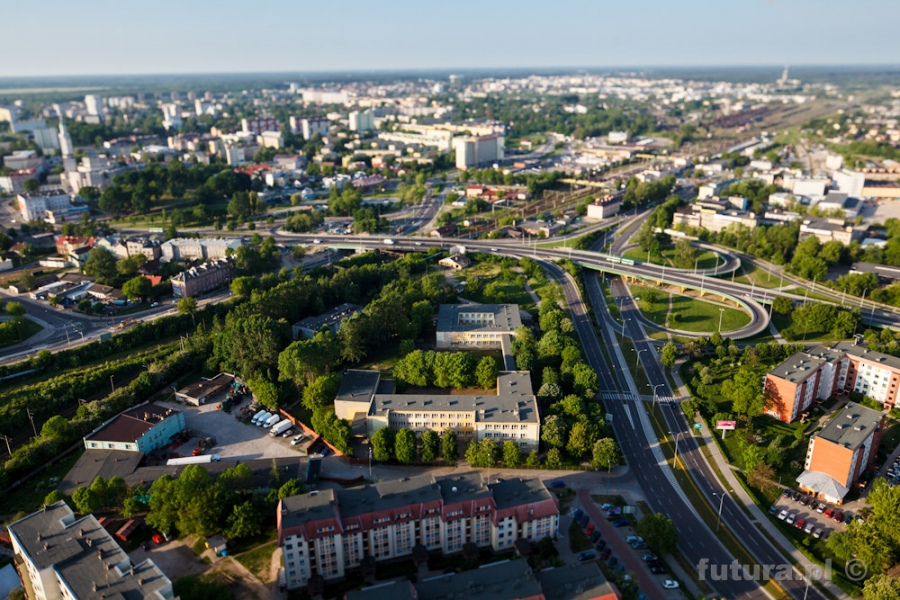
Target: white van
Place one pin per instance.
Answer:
(259, 417)
(271, 421)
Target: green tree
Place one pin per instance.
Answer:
(554, 433)
(31, 185)
(102, 265)
(322, 391)
(532, 460)
(238, 478)
(668, 355)
(383, 444)
(782, 305)
(86, 500)
(53, 497)
(265, 391)
(745, 392)
(430, 445)
(584, 381)
(187, 306)
(137, 288)
(449, 449)
(116, 490)
(244, 521)
(553, 460)
(240, 205)
(58, 429)
(605, 453)
(685, 255)
(512, 455)
(405, 446)
(881, 587)
(581, 439)
(486, 373)
(291, 487)
(659, 532)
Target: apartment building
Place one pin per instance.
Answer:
(259, 124)
(713, 218)
(203, 278)
(476, 325)
(824, 371)
(197, 249)
(480, 150)
(839, 453)
(143, 428)
(604, 208)
(59, 556)
(35, 206)
(829, 230)
(310, 126)
(329, 532)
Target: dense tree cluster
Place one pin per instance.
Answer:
(446, 369)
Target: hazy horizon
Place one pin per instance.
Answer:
(98, 38)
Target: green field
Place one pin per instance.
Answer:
(28, 329)
(706, 259)
(653, 302)
(782, 322)
(748, 274)
(699, 316)
(258, 561)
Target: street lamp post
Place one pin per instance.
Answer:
(721, 502)
(655, 397)
(675, 461)
(721, 313)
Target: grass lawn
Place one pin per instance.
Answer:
(30, 497)
(748, 274)
(496, 290)
(653, 302)
(578, 542)
(259, 560)
(267, 535)
(706, 258)
(782, 322)
(700, 316)
(27, 329)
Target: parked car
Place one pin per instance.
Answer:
(809, 527)
(670, 584)
(586, 555)
(578, 514)
(620, 523)
(838, 517)
(633, 538)
(658, 569)
(613, 561)
(829, 513)
(600, 545)
(615, 511)
(604, 554)
(786, 493)
(773, 509)
(782, 515)
(799, 524)
(589, 530)
(297, 439)
(639, 545)
(596, 536)
(288, 433)
(790, 518)
(584, 521)
(804, 500)
(817, 533)
(649, 556)
(559, 483)
(820, 508)
(795, 496)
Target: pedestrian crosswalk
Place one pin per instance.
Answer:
(626, 397)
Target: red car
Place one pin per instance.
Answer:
(196, 452)
(589, 529)
(799, 523)
(157, 539)
(829, 513)
(838, 517)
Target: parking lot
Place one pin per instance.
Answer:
(790, 512)
(234, 439)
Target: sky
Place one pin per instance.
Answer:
(105, 37)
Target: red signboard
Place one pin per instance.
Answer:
(726, 425)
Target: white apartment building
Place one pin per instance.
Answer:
(310, 126)
(362, 121)
(329, 532)
(849, 182)
(57, 554)
(475, 151)
(197, 249)
(476, 325)
(94, 105)
(35, 206)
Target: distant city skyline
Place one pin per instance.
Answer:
(95, 37)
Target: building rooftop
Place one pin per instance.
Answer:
(53, 538)
(516, 492)
(129, 426)
(880, 270)
(497, 318)
(307, 508)
(507, 580)
(99, 462)
(387, 495)
(798, 367)
(513, 408)
(851, 426)
(463, 488)
(392, 590)
(576, 582)
(358, 386)
(199, 388)
(335, 315)
(865, 354)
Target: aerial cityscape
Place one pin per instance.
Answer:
(508, 302)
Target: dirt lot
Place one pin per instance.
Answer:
(234, 439)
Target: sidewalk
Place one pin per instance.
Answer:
(756, 515)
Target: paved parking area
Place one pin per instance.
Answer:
(828, 526)
(235, 440)
(173, 558)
